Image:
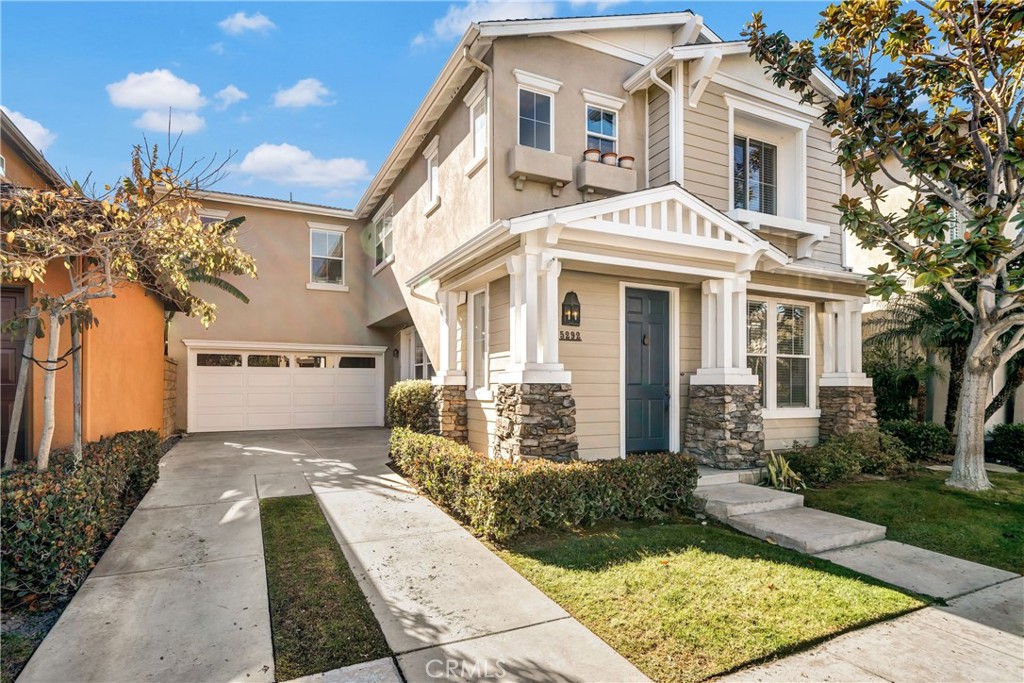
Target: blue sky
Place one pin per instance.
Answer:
(310, 97)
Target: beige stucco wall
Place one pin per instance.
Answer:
(577, 68)
(281, 308)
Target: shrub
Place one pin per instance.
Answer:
(410, 404)
(844, 457)
(923, 440)
(1007, 444)
(501, 498)
(54, 522)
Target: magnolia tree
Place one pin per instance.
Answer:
(937, 90)
(146, 230)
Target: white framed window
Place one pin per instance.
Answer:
(212, 216)
(478, 355)
(602, 129)
(433, 181)
(415, 363)
(476, 101)
(780, 351)
(536, 110)
(383, 243)
(3, 165)
(326, 257)
(755, 175)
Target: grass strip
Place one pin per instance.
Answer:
(319, 617)
(980, 526)
(684, 602)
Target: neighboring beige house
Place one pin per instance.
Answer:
(694, 299)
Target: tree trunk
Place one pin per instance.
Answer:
(1014, 378)
(957, 360)
(969, 460)
(76, 372)
(922, 401)
(22, 389)
(49, 392)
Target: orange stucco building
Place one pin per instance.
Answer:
(122, 357)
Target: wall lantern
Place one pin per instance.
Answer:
(571, 310)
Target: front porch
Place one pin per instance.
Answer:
(690, 333)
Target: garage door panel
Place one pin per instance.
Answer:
(241, 398)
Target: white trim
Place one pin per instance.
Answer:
(326, 287)
(536, 82)
(212, 213)
(476, 96)
(389, 203)
(387, 206)
(790, 413)
(471, 341)
(270, 203)
(336, 286)
(674, 434)
(431, 148)
(479, 394)
(551, 123)
(329, 227)
(771, 355)
(475, 93)
(227, 344)
(603, 101)
(813, 295)
(596, 43)
(768, 105)
(383, 264)
(517, 27)
(587, 133)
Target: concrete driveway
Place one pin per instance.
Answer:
(181, 593)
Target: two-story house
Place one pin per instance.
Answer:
(686, 290)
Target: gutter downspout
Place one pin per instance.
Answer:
(489, 75)
(673, 152)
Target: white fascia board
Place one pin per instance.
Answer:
(532, 27)
(802, 269)
(462, 254)
(267, 203)
(229, 345)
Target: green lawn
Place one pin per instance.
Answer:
(319, 617)
(16, 649)
(986, 527)
(684, 602)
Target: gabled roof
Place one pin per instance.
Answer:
(23, 146)
(275, 203)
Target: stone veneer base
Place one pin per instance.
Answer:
(724, 428)
(845, 409)
(450, 415)
(535, 421)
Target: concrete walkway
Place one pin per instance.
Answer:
(180, 595)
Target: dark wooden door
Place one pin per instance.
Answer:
(12, 300)
(647, 370)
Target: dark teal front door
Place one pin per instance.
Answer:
(647, 370)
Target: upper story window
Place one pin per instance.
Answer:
(326, 257)
(754, 175)
(536, 110)
(212, 216)
(602, 129)
(383, 244)
(476, 100)
(430, 153)
(779, 352)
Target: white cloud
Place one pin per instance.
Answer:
(599, 6)
(217, 48)
(157, 89)
(288, 165)
(229, 95)
(180, 121)
(38, 134)
(240, 22)
(305, 93)
(458, 17)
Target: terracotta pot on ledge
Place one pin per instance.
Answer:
(610, 158)
(626, 162)
(592, 155)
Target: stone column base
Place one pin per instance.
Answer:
(724, 427)
(450, 417)
(845, 409)
(535, 421)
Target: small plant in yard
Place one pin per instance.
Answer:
(410, 404)
(781, 475)
(844, 457)
(1007, 444)
(923, 440)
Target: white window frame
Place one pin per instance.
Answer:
(410, 342)
(538, 85)
(387, 211)
(477, 101)
(433, 183)
(596, 100)
(339, 230)
(770, 411)
(3, 165)
(747, 139)
(614, 139)
(474, 391)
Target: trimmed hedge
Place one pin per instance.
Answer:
(55, 522)
(844, 457)
(1007, 444)
(502, 498)
(923, 440)
(410, 404)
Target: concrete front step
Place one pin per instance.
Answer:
(711, 476)
(723, 501)
(807, 530)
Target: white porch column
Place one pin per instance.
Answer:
(447, 370)
(533, 321)
(724, 333)
(843, 338)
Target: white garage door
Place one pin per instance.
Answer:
(250, 388)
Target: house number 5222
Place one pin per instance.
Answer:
(570, 335)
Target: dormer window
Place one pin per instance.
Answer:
(754, 175)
